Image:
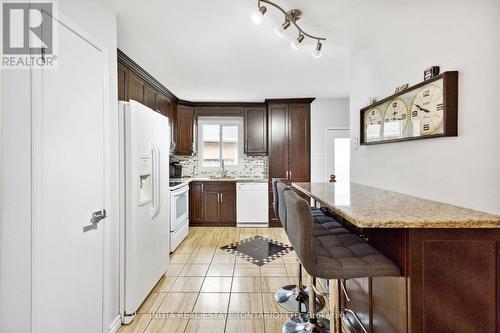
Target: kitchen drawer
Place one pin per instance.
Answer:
(219, 186)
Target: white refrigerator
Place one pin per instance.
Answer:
(145, 203)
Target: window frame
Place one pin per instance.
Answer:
(221, 121)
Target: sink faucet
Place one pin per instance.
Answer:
(224, 171)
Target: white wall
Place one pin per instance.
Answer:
(95, 17)
(325, 113)
(457, 35)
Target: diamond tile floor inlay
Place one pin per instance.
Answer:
(258, 250)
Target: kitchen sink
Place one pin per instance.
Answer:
(222, 178)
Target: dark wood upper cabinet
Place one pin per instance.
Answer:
(150, 98)
(122, 82)
(218, 111)
(289, 143)
(135, 88)
(184, 130)
(170, 112)
(278, 140)
(299, 142)
(255, 131)
(135, 83)
(161, 104)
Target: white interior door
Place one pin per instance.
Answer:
(338, 155)
(69, 185)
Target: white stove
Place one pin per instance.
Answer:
(179, 213)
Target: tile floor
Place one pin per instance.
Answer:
(208, 290)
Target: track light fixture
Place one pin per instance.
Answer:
(291, 17)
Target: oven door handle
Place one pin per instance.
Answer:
(180, 191)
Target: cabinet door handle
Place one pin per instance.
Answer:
(221, 197)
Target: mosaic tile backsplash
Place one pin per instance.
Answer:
(252, 167)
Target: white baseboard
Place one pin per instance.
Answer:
(115, 325)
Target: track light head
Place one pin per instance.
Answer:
(296, 42)
(257, 16)
(317, 51)
(281, 29)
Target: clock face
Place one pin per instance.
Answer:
(427, 112)
(395, 118)
(373, 124)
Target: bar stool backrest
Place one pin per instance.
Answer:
(300, 228)
(282, 188)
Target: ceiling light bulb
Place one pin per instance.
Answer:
(296, 42)
(281, 30)
(317, 51)
(257, 15)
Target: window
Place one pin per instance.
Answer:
(220, 139)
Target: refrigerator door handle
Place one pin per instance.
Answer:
(156, 180)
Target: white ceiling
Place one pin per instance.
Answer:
(211, 50)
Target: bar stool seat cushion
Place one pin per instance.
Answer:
(346, 256)
(325, 225)
(315, 211)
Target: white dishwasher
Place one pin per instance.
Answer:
(252, 204)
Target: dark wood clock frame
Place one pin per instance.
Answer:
(450, 109)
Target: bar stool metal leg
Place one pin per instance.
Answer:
(317, 324)
(293, 297)
(334, 307)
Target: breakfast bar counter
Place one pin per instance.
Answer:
(371, 207)
(449, 257)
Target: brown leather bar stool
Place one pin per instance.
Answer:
(294, 297)
(333, 257)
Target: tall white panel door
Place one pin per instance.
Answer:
(161, 140)
(69, 186)
(337, 155)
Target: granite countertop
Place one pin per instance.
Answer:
(228, 179)
(370, 207)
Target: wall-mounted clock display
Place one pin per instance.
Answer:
(426, 110)
(373, 124)
(395, 118)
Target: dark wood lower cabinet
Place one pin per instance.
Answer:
(212, 203)
(195, 202)
(450, 282)
(211, 206)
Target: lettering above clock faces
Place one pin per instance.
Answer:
(428, 109)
